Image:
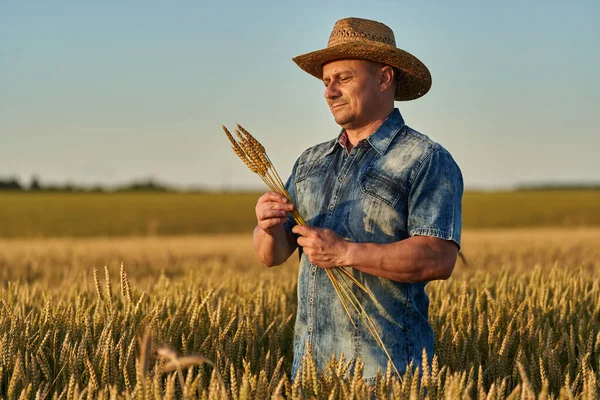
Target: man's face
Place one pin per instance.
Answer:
(352, 90)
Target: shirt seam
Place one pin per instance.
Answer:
(419, 167)
(441, 234)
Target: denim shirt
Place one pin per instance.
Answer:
(402, 185)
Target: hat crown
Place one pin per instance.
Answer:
(349, 30)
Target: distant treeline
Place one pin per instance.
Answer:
(147, 185)
(151, 185)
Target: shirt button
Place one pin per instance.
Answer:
(310, 300)
(341, 178)
(310, 328)
(331, 207)
(314, 269)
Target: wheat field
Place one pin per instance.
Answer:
(46, 214)
(521, 320)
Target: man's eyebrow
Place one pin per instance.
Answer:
(337, 74)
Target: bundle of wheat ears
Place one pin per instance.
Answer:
(253, 154)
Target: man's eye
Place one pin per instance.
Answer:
(345, 79)
(326, 84)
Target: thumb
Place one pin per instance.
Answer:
(300, 230)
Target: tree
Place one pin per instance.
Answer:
(10, 184)
(35, 183)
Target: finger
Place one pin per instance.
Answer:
(272, 196)
(302, 241)
(264, 198)
(266, 212)
(271, 213)
(275, 205)
(309, 251)
(270, 223)
(302, 230)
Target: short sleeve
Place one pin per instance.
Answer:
(435, 201)
(290, 186)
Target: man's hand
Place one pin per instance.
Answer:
(324, 247)
(271, 211)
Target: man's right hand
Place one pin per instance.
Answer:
(271, 210)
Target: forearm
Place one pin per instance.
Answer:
(273, 249)
(416, 259)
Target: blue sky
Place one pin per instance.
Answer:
(107, 92)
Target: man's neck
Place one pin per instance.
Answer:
(356, 134)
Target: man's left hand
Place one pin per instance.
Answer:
(324, 247)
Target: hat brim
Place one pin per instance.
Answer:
(414, 80)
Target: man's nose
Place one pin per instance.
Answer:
(332, 91)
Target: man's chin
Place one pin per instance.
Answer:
(342, 120)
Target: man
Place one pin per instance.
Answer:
(381, 199)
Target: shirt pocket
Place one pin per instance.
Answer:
(382, 187)
(310, 169)
(310, 186)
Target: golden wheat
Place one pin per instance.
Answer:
(522, 321)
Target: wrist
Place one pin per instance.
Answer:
(259, 235)
(271, 233)
(349, 258)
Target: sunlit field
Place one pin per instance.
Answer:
(521, 319)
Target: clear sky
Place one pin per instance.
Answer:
(110, 91)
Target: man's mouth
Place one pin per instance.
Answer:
(338, 105)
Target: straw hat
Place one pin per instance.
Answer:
(370, 40)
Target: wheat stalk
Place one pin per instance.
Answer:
(254, 155)
(178, 364)
(97, 285)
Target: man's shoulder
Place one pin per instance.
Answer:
(316, 152)
(419, 141)
(418, 144)
(412, 149)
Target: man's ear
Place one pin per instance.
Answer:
(387, 76)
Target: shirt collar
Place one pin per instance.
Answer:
(343, 141)
(382, 137)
